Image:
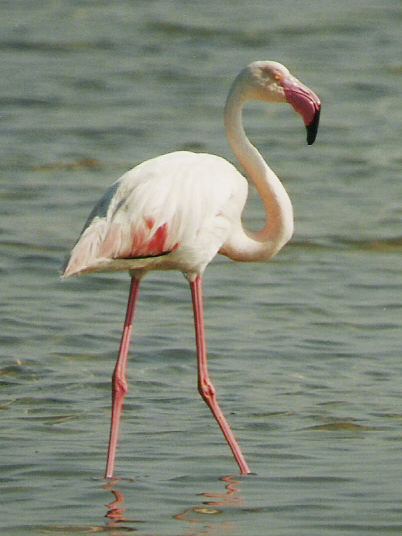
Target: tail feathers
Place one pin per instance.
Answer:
(86, 251)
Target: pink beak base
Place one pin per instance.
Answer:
(306, 103)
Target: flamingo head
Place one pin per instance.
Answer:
(271, 81)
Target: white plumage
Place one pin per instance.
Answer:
(173, 211)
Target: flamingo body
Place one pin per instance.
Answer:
(174, 211)
(177, 211)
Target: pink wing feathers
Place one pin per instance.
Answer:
(113, 236)
(147, 241)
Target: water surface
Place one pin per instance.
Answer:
(304, 351)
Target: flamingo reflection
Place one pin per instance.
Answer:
(197, 515)
(116, 518)
(201, 519)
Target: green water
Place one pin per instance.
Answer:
(305, 351)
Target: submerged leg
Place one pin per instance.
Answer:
(205, 386)
(119, 379)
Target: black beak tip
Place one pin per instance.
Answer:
(312, 128)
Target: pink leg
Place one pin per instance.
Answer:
(119, 379)
(205, 386)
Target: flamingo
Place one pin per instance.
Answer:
(178, 210)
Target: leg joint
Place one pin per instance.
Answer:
(119, 385)
(207, 390)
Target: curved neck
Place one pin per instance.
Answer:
(278, 228)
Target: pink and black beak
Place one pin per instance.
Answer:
(305, 102)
